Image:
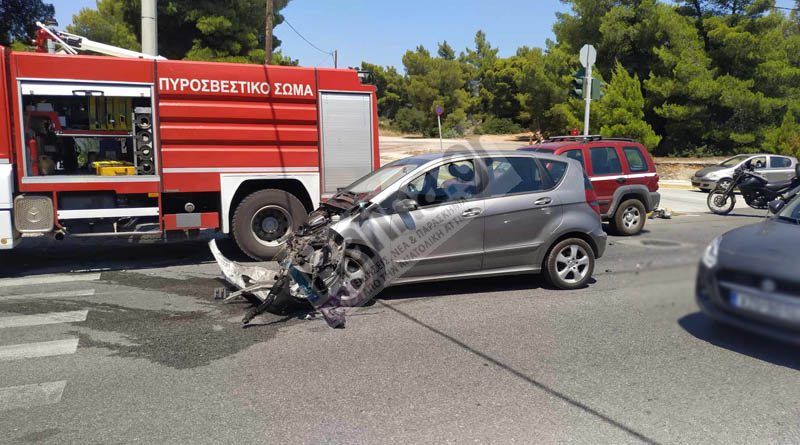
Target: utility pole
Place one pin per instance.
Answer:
(336, 58)
(268, 33)
(588, 107)
(149, 27)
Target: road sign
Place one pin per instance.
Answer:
(439, 110)
(588, 56)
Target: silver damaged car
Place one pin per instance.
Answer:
(437, 217)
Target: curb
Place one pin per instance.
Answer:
(676, 186)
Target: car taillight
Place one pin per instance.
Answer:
(591, 196)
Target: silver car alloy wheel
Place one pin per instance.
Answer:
(631, 217)
(355, 276)
(572, 264)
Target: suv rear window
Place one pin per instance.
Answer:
(605, 161)
(635, 159)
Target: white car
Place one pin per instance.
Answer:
(774, 167)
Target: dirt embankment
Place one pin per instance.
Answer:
(682, 169)
(396, 146)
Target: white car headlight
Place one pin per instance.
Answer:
(711, 254)
(713, 176)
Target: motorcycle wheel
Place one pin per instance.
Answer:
(720, 203)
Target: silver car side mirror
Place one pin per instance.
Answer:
(404, 205)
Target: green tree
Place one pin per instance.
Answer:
(105, 24)
(446, 51)
(433, 81)
(784, 139)
(18, 19)
(230, 31)
(621, 110)
(391, 89)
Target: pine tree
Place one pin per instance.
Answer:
(621, 110)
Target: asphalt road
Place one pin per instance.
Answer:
(123, 343)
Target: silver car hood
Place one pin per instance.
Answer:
(705, 171)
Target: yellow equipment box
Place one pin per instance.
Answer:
(113, 168)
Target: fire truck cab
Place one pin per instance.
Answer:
(105, 146)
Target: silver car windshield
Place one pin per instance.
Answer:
(377, 181)
(734, 161)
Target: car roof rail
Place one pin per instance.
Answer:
(588, 138)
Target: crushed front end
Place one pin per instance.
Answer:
(311, 268)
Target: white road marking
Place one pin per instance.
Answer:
(43, 319)
(40, 349)
(26, 396)
(64, 294)
(48, 279)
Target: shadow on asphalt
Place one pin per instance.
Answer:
(742, 342)
(471, 286)
(42, 255)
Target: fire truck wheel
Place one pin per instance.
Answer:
(264, 220)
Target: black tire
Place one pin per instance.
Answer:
(373, 282)
(555, 264)
(715, 204)
(260, 239)
(629, 218)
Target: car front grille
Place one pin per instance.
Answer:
(757, 282)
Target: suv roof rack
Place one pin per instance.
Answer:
(589, 138)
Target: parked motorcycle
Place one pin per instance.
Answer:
(756, 190)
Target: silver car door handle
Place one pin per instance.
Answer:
(542, 201)
(471, 212)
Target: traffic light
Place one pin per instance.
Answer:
(597, 89)
(578, 84)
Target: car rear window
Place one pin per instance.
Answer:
(512, 175)
(605, 161)
(780, 162)
(554, 170)
(635, 159)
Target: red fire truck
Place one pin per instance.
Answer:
(110, 146)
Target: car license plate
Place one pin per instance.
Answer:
(771, 307)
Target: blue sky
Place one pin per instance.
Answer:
(381, 31)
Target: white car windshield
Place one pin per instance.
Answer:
(734, 161)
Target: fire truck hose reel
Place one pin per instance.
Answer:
(145, 137)
(143, 121)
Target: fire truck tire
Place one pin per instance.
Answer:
(264, 220)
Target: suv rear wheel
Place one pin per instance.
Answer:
(630, 217)
(570, 264)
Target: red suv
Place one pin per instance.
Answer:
(622, 173)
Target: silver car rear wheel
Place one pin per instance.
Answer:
(570, 264)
